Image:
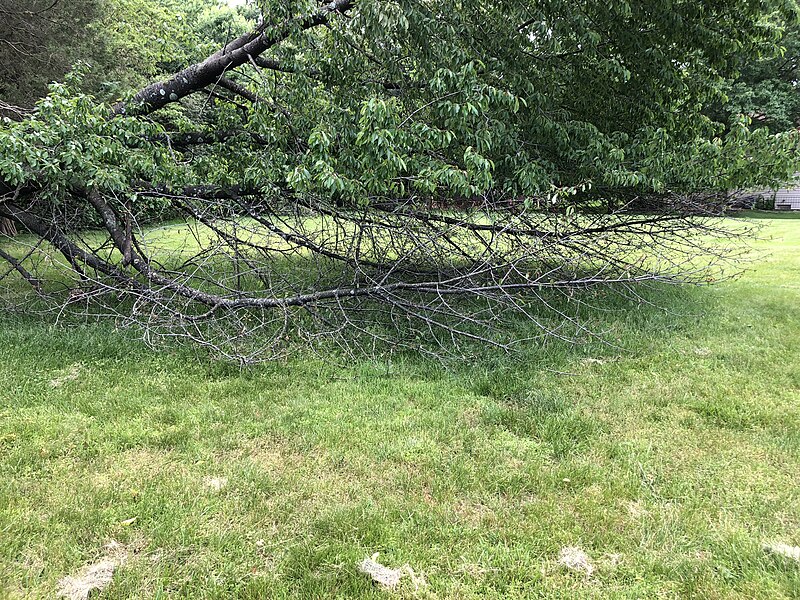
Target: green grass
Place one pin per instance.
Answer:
(669, 455)
(770, 214)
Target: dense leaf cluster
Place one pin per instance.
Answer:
(410, 98)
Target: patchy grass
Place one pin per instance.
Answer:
(669, 457)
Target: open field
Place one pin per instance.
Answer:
(670, 456)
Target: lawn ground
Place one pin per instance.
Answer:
(669, 457)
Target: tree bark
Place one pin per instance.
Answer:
(7, 227)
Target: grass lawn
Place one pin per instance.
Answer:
(670, 457)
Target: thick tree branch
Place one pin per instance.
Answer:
(237, 89)
(213, 68)
(73, 253)
(16, 265)
(184, 139)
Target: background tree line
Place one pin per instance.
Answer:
(118, 44)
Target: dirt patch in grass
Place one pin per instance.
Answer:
(474, 513)
(66, 375)
(274, 455)
(277, 457)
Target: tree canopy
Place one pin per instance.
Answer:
(766, 88)
(412, 151)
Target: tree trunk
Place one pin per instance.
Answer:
(7, 227)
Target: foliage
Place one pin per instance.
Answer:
(70, 143)
(155, 37)
(766, 88)
(511, 98)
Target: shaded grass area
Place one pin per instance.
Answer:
(770, 214)
(669, 454)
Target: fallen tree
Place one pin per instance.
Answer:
(401, 173)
